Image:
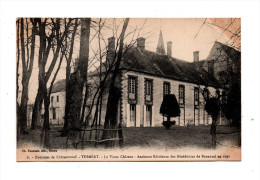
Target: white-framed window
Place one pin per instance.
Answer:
(132, 87)
(181, 94)
(148, 89)
(166, 88)
(196, 96)
(206, 93)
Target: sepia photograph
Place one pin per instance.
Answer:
(128, 89)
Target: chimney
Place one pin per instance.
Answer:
(111, 48)
(111, 44)
(196, 56)
(169, 48)
(141, 43)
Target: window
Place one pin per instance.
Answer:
(196, 96)
(181, 94)
(57, 98)
(148, 90)
(132, 87)
(52, 99)
(148, 86)
(166, 88)
(206, 94)
(54, 113)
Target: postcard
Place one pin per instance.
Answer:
(128, 89)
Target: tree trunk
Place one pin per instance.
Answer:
(213, 130)
(78, 78)
(23, 109)
(110, 121)
(27, 71)
(168, 118)
(17, 84)
(68, 71)
(37, 109)
(84, 104)
(113, 115)
(67, 105)
(46, 124)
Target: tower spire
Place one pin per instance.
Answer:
(160, 45)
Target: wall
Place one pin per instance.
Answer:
(59, 106)
(157, 118)
(158, 98)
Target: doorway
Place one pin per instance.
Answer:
(148, 115)
(132, 115)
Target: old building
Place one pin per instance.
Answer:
(224, 62)
(145, 77)
(57, 103)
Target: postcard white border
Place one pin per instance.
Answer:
(248, 168)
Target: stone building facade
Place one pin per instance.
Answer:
(57, 108)
(145, 77)
(143, 113)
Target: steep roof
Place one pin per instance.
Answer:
(231, 52)
(59, 86)
(162, 65)
(199, 63)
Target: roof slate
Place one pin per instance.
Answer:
(59, 86)
(161, 65)
(232, 53)
(145, 61)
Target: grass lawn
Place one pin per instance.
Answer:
(176, 137)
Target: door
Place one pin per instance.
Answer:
(205, 117)
(132, 115)
(182, 117)
(196, 117)
(149, 116)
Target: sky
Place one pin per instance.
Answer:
(187, 35)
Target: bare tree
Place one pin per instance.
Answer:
(102, 77)
(78, 78)
(68, 57)
(49, 40)
(226, 62)
(28, 28)
(114, 93)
